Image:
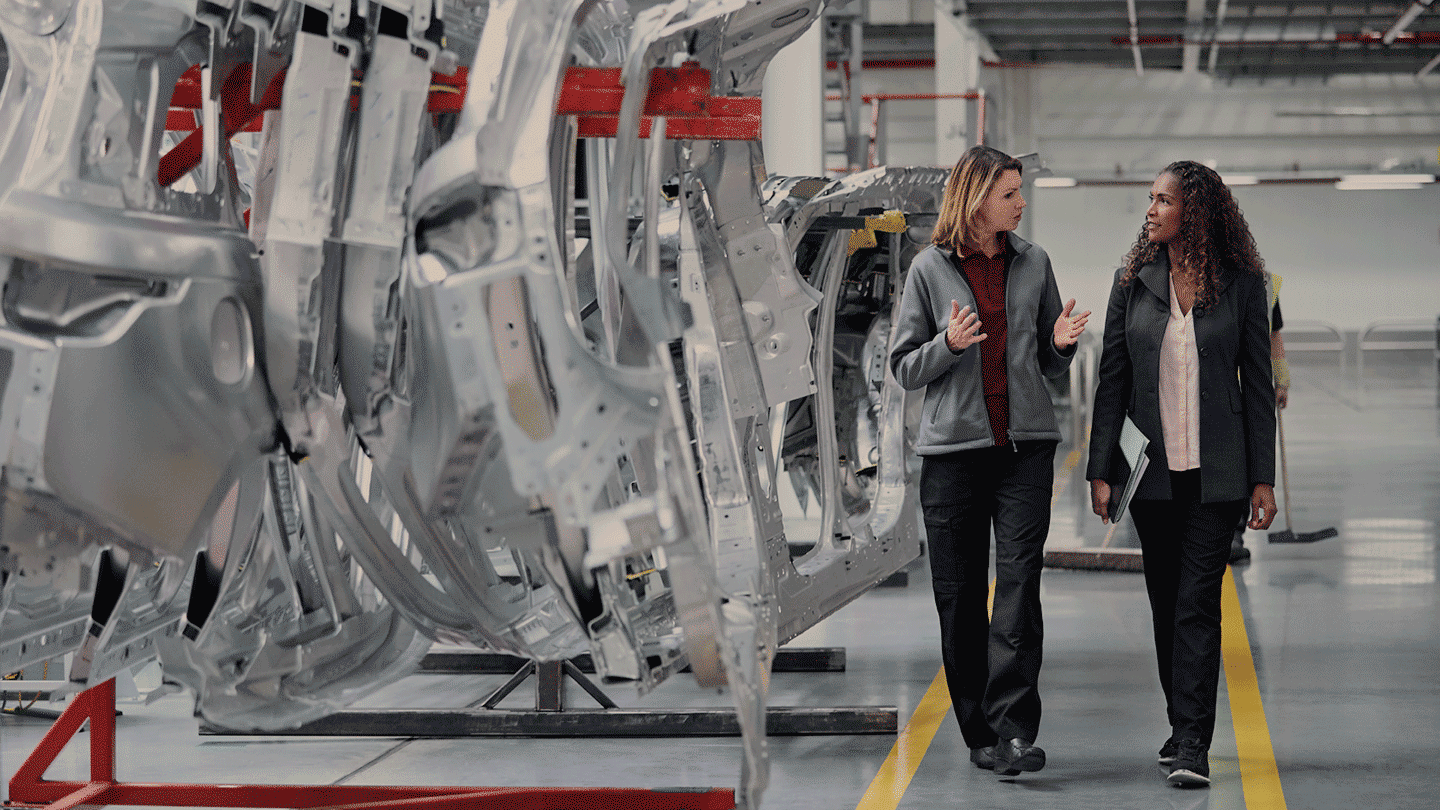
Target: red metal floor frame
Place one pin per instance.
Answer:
(29, 788)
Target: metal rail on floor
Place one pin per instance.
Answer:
(29, 788)
(1393, 334)
(553, 718)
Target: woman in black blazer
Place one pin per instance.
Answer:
(1187, 357)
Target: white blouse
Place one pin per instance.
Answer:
(1180, 388)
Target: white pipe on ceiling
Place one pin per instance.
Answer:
(1429, 66)
(1415, 10)
(1219, 21)
(1135, 37)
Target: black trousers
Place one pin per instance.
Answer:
(1186, 545)
(992, 665)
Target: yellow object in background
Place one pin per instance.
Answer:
(888, 222)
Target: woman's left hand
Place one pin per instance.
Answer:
(1262, 507)
(1067, 328)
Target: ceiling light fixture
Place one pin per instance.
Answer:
(1240, 179)
(1386, 179)
(1054, 182)
(1349, 186)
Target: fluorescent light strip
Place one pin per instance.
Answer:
(1386, 179)
(1054, 182)
(1344, 185)
(1240, 179)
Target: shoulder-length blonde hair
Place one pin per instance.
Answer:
(970, 182)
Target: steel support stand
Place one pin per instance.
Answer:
(468, 662)
(551, 717)
(29, 788)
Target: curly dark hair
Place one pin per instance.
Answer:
(1214, 238)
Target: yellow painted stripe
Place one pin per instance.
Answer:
(889, 785)
(1062, 478)
(1259, 775)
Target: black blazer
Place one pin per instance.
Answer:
(1237, 392)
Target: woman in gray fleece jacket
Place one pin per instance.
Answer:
(987, 441)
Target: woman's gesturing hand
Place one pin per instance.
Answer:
(964, 324)
(1100, 499)
(1067, 328)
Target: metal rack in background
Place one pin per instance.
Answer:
(1392, 334)
(553, 717)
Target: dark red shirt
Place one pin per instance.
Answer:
(986, 277)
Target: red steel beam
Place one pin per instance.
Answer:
(447, 95)
(1361, 38)
(887, 64)
(97, 705)
(904, 96)
(681, 95)
(593, 95)
(236, 114)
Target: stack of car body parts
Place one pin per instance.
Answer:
(350, 385)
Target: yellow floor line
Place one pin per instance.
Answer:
(1062, 479)
(1259, 775)
(889, 785)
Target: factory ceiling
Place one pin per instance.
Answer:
(1228, 39)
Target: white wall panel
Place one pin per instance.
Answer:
(1348, 257)
(888, 12)
(792, 116)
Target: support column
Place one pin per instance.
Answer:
(856, 141)
(792, 126)
(1017, 135)
(1194, 33)
(957, 70)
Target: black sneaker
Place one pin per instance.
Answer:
(983, 758)
(1191, 767)
(1168, 751)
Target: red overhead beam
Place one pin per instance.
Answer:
(681, 95)
(1362, 38)
(593, 95)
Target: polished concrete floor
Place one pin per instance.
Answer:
(1333, 703)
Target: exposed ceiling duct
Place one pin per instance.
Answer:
(1245, 39)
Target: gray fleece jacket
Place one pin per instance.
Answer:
(954, 416)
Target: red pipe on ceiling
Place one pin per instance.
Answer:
(1362, 38)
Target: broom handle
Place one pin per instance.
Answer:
(1284, 468)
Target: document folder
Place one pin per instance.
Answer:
(1130, 466)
